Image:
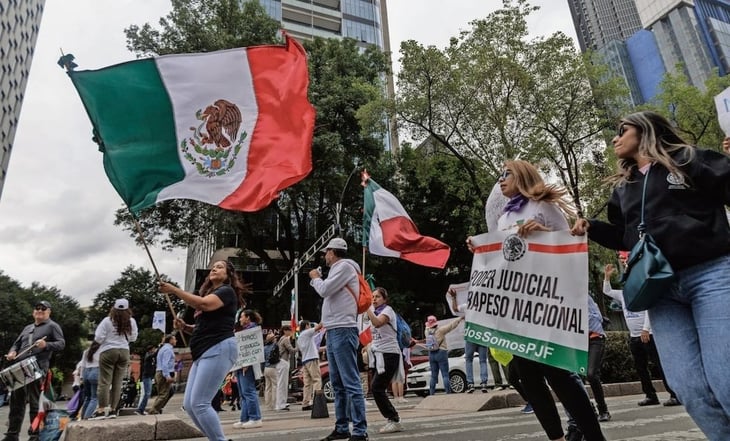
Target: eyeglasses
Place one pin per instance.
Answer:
(40, 308)
(505, 174)
(622, 128)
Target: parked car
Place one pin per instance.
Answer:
(296, 383)
(419, 377)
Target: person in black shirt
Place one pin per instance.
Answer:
(212, 345)
(148, 373)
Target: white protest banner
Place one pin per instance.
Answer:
(250, 344)
(461, 296)
(722, 104)
(529, 297)
(159, 321)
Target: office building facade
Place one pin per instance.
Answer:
(19, 24)
(598, 22)
(365, 21)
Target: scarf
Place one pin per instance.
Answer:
(380, 308)
(515, 203)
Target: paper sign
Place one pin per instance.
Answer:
(461, 292)
(250, 343)
(722, 104)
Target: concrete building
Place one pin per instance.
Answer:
(598, 22)
(19, 24)
(365, 21)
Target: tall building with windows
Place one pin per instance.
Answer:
(19, 24)
(598, 22)
(365, 21)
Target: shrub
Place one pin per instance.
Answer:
(618, 364)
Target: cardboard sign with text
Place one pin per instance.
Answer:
(529, 297)
(250, 344)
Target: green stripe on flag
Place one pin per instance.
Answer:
(133, 119)
(550, 353)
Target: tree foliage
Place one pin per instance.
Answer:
(692, 109)
(140, 287)
(16, 308)
(493, 94)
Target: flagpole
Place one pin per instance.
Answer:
(157, 273)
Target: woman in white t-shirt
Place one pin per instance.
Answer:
(387, 354)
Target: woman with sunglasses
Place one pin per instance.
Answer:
(684, 212)
(212, 345)
(536, 206)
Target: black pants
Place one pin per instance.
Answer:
(596, 347)
(30, 392)
(380, 384)
(642, 353)
(570, 392)
(514, 379)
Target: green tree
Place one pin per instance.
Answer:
(493, 94)
(139, 287)
(16, 306)
(692, 109)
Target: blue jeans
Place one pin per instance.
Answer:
(250, 410)
(147, 384)
(204, 380)
(469, 349)
(691, 330)
(342, 355)
(91, 383)
(439, 361)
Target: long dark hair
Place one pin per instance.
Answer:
(122, 320)
(92, 350)
(239, 286)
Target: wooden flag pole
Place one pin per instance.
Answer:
(157, 274)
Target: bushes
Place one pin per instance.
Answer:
(618, 364)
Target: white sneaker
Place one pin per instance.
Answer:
(238, 424)
(251, 424)
(391, 427)
(401, 400)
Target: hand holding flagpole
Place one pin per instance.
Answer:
(157, 273)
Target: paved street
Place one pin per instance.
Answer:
(630, 422)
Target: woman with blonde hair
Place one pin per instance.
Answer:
(113, 334)
(533, 206)
(685, 191)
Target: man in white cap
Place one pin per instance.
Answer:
(40, 339)
(339, 317)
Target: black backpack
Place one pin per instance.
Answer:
(274, 355)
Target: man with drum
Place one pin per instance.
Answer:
(40, 340)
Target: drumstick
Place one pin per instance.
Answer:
(30, 347)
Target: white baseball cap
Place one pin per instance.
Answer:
(337, 244)
(121, 304)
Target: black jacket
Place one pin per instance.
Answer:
(685, 215)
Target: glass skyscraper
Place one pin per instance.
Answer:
(19, 23)
(598, 22)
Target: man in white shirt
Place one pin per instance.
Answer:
(641, 342)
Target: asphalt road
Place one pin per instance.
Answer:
(629, 422)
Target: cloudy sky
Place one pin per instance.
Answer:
(57, 206)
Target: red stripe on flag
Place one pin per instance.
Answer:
(400, 234)
(488, 248)
(366, 336)
(558, 249)
(280, 153)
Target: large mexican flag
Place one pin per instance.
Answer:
(230, 128)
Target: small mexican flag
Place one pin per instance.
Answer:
(389, 231)
(230, 128)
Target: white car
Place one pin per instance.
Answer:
(419, 376)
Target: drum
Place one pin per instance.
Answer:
(21, 373)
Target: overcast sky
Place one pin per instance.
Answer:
(57, 206)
